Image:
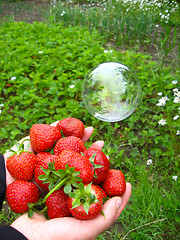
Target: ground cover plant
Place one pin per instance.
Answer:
(42, 69)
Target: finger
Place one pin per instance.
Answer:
(98, 145)
(38, 217)
(111, 209)
(54, 124)
(125, 199)
(87, 133)
(101, 222)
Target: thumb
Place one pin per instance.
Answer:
(110, 209)
(105, 220)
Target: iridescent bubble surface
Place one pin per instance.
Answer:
(111, 92)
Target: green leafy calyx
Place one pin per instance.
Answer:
(66, 178)
(95, 166)
(20, 148)
(83, 196)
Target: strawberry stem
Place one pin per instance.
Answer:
(38, 207)
(20, 148)
(58, 186)
(67, 177)
(95, 166)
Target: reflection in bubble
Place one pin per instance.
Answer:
(111, 92)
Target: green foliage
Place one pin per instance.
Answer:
(37, 71)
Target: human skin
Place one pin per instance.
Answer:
(68, 228)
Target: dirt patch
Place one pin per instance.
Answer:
(28, 11)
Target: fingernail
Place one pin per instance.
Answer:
(118, 203)
(90, 127)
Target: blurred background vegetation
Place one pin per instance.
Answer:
(48, 46)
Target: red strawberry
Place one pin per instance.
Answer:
(19, 193)
(104, 195)
(57, 204)
(114, 184)
(71, 142)
(71, 127)
(43, 159)
(86, 202)
(75, 159)
(42, 155)
(100, 164)
(43, 137)
(21, 166)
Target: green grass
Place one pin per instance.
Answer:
(39, 63)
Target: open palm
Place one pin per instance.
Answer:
(39, 228)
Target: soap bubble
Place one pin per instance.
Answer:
(111, 92)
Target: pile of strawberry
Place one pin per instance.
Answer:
(74, 180)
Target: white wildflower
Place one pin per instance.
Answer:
(176, 117)
(162, 122)
(108, 51)
(174, 82)
(165, 98)
(175, 90)
(178, 132)
(159, 94)
(63, 12)
(40, 52)
(177, 94)
(13, 78)
(72, 86)
(162, 101)
(174, 178)
(176, 100)
(149, 161)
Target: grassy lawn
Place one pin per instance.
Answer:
(41, 60)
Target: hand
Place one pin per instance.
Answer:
(39, 228)
(69, 228)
